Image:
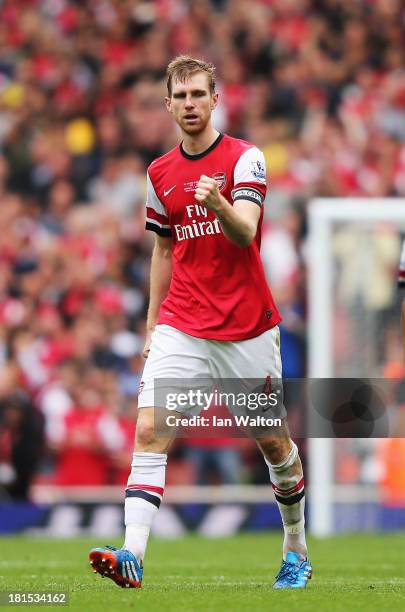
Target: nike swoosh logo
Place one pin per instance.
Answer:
(166, 193)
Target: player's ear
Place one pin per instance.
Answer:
(168, 102)
(214, 100)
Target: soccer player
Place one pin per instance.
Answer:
(210, 314)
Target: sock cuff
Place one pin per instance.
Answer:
(148, 460)
(288, 461)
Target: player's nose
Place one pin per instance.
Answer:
(189, 102)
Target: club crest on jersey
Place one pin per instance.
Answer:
(259, 171)
(220, 178)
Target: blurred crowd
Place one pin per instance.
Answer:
(318, 85)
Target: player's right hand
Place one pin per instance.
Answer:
(146, 348)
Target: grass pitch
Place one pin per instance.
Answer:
(355, 572)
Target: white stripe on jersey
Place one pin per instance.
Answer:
(152, 200)
(250, 168)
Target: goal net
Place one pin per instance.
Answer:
(353, 332)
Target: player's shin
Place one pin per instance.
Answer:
(143, 496)
(288, 483)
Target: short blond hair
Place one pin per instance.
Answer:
(183, 66)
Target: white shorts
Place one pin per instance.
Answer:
(176, 356)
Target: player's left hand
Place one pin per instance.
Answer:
(207, 193)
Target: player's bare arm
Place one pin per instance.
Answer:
(238, 222)
(160, 276)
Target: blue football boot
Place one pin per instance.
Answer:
(118, 564)
(294, 572)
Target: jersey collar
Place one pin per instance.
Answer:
(204, 153)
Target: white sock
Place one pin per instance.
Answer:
(143, 495)
(287, 481)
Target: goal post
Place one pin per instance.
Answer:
(324, 214)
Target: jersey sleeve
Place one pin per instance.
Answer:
(401, 269)
(156, 215)
(249, 177)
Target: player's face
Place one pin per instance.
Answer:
(192, 103)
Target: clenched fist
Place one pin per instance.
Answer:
(207, 193)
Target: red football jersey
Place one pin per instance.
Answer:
(218, 290)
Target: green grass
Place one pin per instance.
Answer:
(356, 572)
